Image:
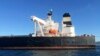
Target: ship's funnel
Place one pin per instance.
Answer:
(67, 28)
(67, 19)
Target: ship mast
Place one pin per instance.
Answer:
(49, 15)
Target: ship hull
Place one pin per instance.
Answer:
(29, 42)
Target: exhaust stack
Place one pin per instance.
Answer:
(67, 27)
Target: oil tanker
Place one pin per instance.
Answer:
(49, 34)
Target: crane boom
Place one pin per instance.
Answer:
(34, 18)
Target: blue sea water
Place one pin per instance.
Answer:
(79, 52)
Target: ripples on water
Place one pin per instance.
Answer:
(81, 52)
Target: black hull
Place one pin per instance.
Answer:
(28, 42)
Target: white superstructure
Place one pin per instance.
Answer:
(50, 28)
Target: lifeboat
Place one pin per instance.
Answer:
(53, 31)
